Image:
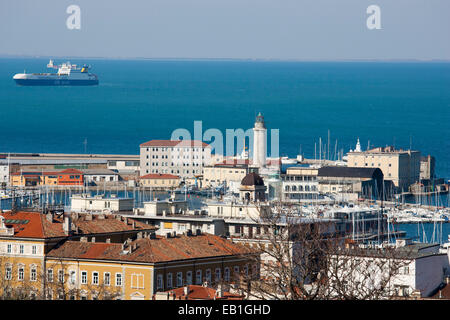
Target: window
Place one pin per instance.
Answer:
(107, 279)
(72, 277)
(21, 249)
(218, 275)
(208, 275)
(33, 250)
(227, 274)
(33, 274)
(179, 279)
(9, 248)
(169, 280)
(406, 270)
(137, 281)
(95, 278)
(83, 277)
(198, 277)
(236, 271)
(21, 273)
(189, 277)
(118, 279)
(61, 276)
(8, 273)
(50, 275)
(159, 282)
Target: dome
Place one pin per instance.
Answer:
(252, 179)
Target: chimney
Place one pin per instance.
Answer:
(93, 239)
(186, 291)
(67, 224)
(219, 291)
(83, 239)
(49, 217)
(139, 235)
(108, 240)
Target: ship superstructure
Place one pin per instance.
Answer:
(68, 75)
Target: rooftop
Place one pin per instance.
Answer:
(147, 250)
(174, 143)
(41, 226)
(349, 172)
(159, 176)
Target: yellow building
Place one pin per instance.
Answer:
(159, 180)
(26, 238)
(402, 167)
(225, 172)
(82, 256)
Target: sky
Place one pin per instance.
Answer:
(234, 29)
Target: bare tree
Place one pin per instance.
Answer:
(309, 259)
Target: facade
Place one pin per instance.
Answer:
(351, 183)
(427, 166)
(100, 176)
(419, 268)
(259, 142)
(126, 166)
(185, 158)
(300, 183)
(27, 238)
(402, 167)
(150, 264)
(226, 173)
(47, 178)
(160, 181)
(197, 292)
(99, 203)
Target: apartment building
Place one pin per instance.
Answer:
(137, 269)
(300, 183)
(226, 172)
(402, 167)
(27, 238)
(185, 158)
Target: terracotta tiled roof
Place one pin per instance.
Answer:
(196, 292)
(36, 224)
(109, 224)
(32, 225)
(159, 176)
(153, 250)
(174, 143)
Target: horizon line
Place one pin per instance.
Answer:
(230, 59)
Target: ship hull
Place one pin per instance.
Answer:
(55, 82)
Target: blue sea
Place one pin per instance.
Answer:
(383, 103)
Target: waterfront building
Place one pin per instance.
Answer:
(67, 177)
(427, 166)
(226, 173)
(184, 158)
(100, 176)
(300, 183)
(100, 204)
(259, 142)
(402, 167)
(351, 183)
(160, 181)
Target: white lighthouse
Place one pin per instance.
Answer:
(259, 142)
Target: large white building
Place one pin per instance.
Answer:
(259, 142)
(184, 158)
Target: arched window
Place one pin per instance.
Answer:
(300, 188)
(287, 188)
(294, 188)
